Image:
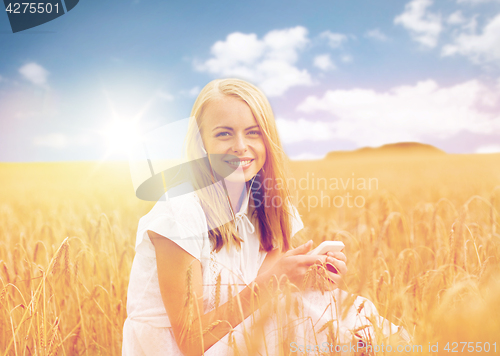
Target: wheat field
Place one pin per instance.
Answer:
(422, 242)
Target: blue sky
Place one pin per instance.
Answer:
(339, 74)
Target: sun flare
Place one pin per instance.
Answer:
(120, 135)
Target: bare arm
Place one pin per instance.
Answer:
(173, 264)
(191, 327)
(339, 262)
(271, 258)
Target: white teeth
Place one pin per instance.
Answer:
(237, 163)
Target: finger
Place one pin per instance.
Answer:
(338, 256)
(301, 250)
(310, 260)
(335, 278)
(338, 266)
(318, 260)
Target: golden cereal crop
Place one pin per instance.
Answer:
(424, 247)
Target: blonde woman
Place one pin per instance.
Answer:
(206, 261)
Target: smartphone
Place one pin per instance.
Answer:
(327, 246)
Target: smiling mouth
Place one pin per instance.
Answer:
(244, 163)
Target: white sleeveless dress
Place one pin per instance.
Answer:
(147, 329)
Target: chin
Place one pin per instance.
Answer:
(238, 175)
(238, 178)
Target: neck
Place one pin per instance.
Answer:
(235, 190)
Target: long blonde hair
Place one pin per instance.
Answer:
(274, 221)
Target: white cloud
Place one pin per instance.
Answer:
(489, 149)
(165, 96)
(194, 91)
(423, 25)
(405, 113)
(471, 25)
(346, 58)
(53, 140)
(456, 18)
(303, 130)
(268, 62)
(376, 34)
(479, 48)
(335, 40)
(324, 62)
(35, 73)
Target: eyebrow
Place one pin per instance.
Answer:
(231, 129)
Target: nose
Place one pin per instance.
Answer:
(239, 144)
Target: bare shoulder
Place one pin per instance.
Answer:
(169, 254)
(156, 238)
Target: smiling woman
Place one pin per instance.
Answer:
(209, 263)
(232, 137)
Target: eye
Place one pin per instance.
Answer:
(254, 132)
(222, 134)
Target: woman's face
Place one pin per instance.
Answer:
(233, 139)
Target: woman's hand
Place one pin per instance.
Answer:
(296, 265)
(337, 267)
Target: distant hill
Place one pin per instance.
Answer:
(400, 148)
